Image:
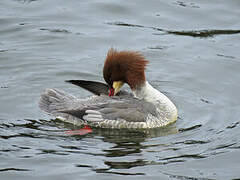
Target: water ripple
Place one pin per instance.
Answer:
(205, 33)
(14, 169)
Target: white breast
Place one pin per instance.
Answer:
(167, 111)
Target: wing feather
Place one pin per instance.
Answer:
(94, 87)
(132, 110)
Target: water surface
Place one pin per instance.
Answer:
(193, 49)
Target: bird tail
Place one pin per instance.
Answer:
(54, 101)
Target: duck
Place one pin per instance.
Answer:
(110, 106)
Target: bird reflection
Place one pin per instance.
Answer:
(125, 143)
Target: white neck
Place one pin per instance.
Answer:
(147, 93)
(150, 94)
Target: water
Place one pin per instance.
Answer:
(193, 49)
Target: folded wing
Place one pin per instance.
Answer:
(131, 110)
(94, 87)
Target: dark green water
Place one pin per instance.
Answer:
(193, 49)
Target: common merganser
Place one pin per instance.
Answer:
(111, 107)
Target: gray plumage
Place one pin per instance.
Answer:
(98, 111)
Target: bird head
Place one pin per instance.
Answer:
(124, 67)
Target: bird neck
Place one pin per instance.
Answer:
(146, 92)
(150, 94)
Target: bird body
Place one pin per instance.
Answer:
(110, 107)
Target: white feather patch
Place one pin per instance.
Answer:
(92, 112)
(93, 116)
